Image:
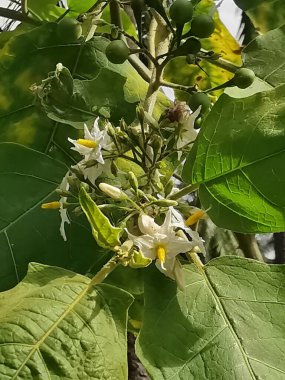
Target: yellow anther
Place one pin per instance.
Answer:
(51, 205)
(160, 253)
(194, 218)
(87, 143)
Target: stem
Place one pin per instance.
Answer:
(153, 89)
(196, 260)
(18, 16)
(115, 14)
(222, 63)
(94, 7)
(186, 190)
(177, 86)
(142, 70)
(279, 246)
(104, 271)
(24, 6)
(248, 244)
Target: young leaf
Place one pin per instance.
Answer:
(228, 323)
(104, 233)
(238, 161)
(56, 325)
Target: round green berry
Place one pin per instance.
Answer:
(191, 46)
(243, 78)
(202, 26)
(117, 52)
(181, 11)
(199, 99)
(69, 30)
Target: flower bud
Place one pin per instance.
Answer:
(133, 181)
(168, 187)
(156, 143)
(165, 203)
(140, 113)
(112, 191)
(51, 205)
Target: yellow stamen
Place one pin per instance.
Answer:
(160, 252)
(194, 218)
(51, 205)
(87, 143)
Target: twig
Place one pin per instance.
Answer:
(248, 244)
(18, 16)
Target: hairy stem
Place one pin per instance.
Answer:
(105, 271)
(248, 244)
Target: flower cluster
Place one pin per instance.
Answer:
(139, 199)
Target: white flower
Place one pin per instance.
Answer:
(63, 211)
(178, 221)
(161, 243)
(91, 148)
(187, 132)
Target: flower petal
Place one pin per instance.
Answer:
(147, 225)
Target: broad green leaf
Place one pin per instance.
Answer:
(221, 42)
(104, 233)
(28, 233)
(27, 59)
(265, 56)
(79, 6)
(265, 14)
(56, 325)
(228, 323)
(237, 160)
(46, 10)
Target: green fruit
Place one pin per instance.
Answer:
(243, 78)
(191, 46)
(117, 51)
(181, 11)
(202, 26)
(199, 99)
(69, 30)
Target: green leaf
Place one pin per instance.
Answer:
(45, 9)
(228, 323)
(56, 325)
(238, 161)
(265, 56)
(66, 101)
(104, 233)
(28, 233)
(265, 14)
(27, 59)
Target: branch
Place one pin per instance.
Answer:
(248, 244)
(18, 16)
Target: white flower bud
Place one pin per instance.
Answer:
(112, 191)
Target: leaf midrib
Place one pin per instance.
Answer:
(227, 322)
(240, 167)
(53, 326)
